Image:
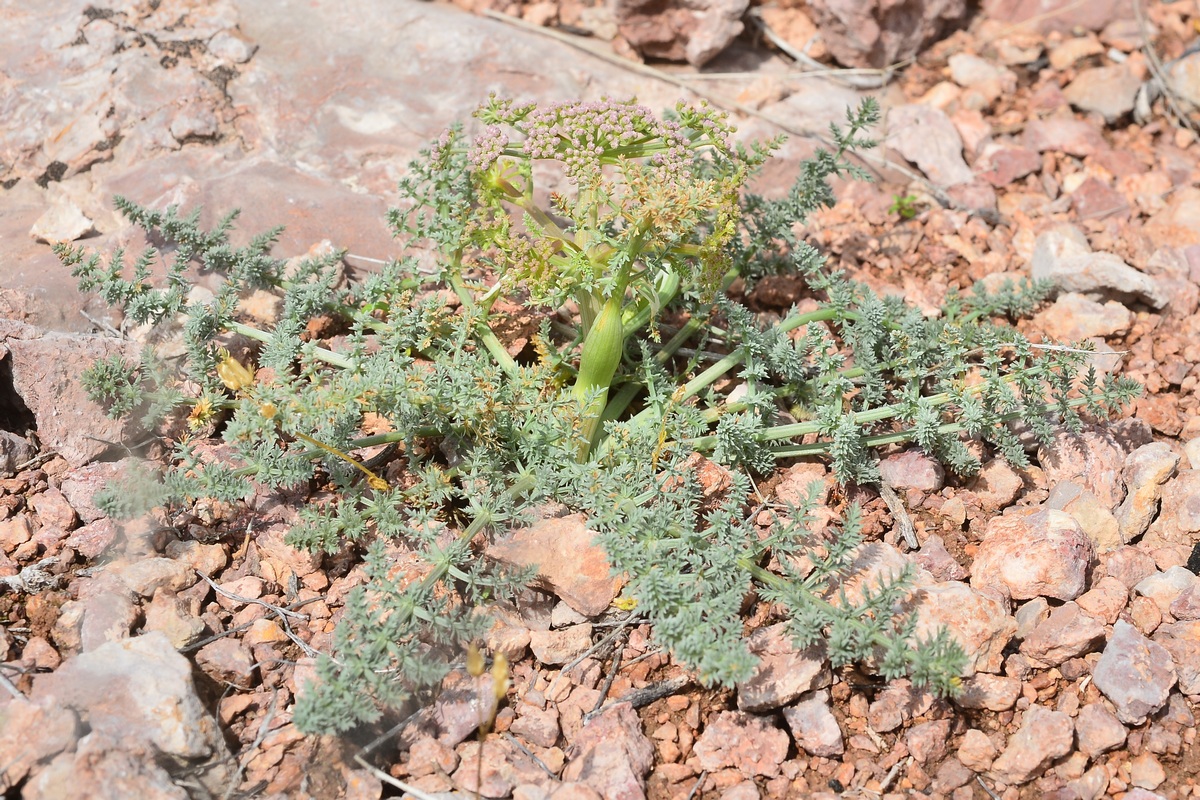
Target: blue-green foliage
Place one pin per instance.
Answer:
(476, 443)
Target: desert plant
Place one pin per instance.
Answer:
(641, 360)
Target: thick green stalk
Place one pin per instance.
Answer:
(598, 362)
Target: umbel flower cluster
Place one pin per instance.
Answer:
(433, 437)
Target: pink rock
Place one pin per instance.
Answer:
(140, 691)
(1074, 317)
(1042, 554)
(912, 469)
(53, 509)
(784, 672)
(1045, 16)
(974, 195)
(611, 754)
(1108, 91)
(462, 706)
(877, 34)
(536, 726)
(484, 771)
(1044, 735)
(1165, 586)
(1095, 199)
(925, 136)
(1187, 605)
(570, 563)
(979, 623)
(1182, 641)
(1064, 135)
(1135, 673)
(34, 733)
(1000, 164)
(745, 742)
(678, 30)
(976, 750)
(934, 557)
(93, 538)
(1129, 565)
(1094, 460)
(928, 741)
(1098, 730)
(814, 727)
(80, 486)
(1105, 600)
(1066, 633)
(997, 484)
(991, 692)
(45, 374)
(899, 702)
(1177, 224)
(560, 646)
(227, 661)
(1179, 517)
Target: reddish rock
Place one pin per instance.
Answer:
(934, 557)
(997, 485)
(976, 751)
(1045, 16)
(170, 614)
(991, 692)
(1040, 554)
(744, 742)
(80, 486)
(814, 727)
(1074, 317)
(1094, 460)
(1098, 731)
(227, 661)
(1095, 199)
(611, 754)
(1179, 517)
(1066, 633)
(680, 30)
(145, 576)
(1000, 164)
(137, 690)
(32, 734)
(912, 469)
(878, 34)
(1060, 134)
(1182, 641)
(979, 623)
(53, 509)
(1105, 600)
(1178, 223)
(93, 538)
(46, 371)
(899, 702)
(1166, 586)
(570, 563)
(784, 672)
(925, 136)
(1135, 673)
(1108, 91)
(928, 741)
(1044, 736)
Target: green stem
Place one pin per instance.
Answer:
(328, 356)
(485, 335)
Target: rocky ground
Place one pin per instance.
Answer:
(164, 660)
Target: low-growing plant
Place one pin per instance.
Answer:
(641, 358)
